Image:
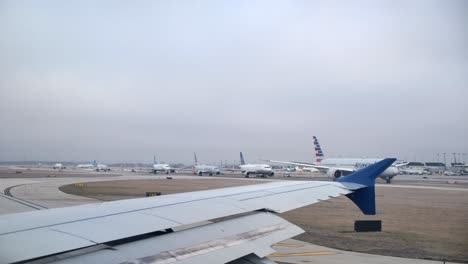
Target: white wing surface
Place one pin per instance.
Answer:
(141, 230)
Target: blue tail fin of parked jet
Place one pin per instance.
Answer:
(364, 198)
(242, 159)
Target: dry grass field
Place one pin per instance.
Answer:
(417, 223)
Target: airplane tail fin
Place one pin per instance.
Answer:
(318, 151)
(195, 156)
(154, 159)
(242, 159)
(95, 163)
(364, 197)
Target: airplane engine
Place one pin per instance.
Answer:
(271, 174)
(337, 173)
(334, 173)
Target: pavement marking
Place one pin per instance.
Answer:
(287, 245)
(301, 254)
(7, 194)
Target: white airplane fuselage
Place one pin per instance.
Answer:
(96, 167)
(257, 169)
(166, 168)
(85, 166)
(356, 164)
(101, 167)
(207, 169)
(58, 166)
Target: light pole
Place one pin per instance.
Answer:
(445, 162)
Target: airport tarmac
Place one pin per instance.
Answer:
(38, 193)
(295, 251)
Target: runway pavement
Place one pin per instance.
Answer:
(44, 192)
(10, 205)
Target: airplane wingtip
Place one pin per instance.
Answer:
(364, 197)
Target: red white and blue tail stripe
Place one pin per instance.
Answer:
(318, 151)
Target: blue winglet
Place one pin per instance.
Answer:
(364, 198)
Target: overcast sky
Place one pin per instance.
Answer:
(119, 81)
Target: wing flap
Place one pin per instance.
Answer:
(219, 242)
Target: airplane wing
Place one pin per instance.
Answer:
(401, 164)
(215, 226)
(309, 165)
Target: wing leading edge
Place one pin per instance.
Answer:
(309, 165)
(58, 233)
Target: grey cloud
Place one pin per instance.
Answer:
(119, 81)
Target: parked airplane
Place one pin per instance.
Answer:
(205, 169)
(58, 166)
(256, 169)
(166, 168)
(450, 173)
(414, 168)
(151, 229)
(336, 168)
(94, 166)
(461, 168)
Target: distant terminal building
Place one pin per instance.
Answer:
(414, 164)
(435, 167)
